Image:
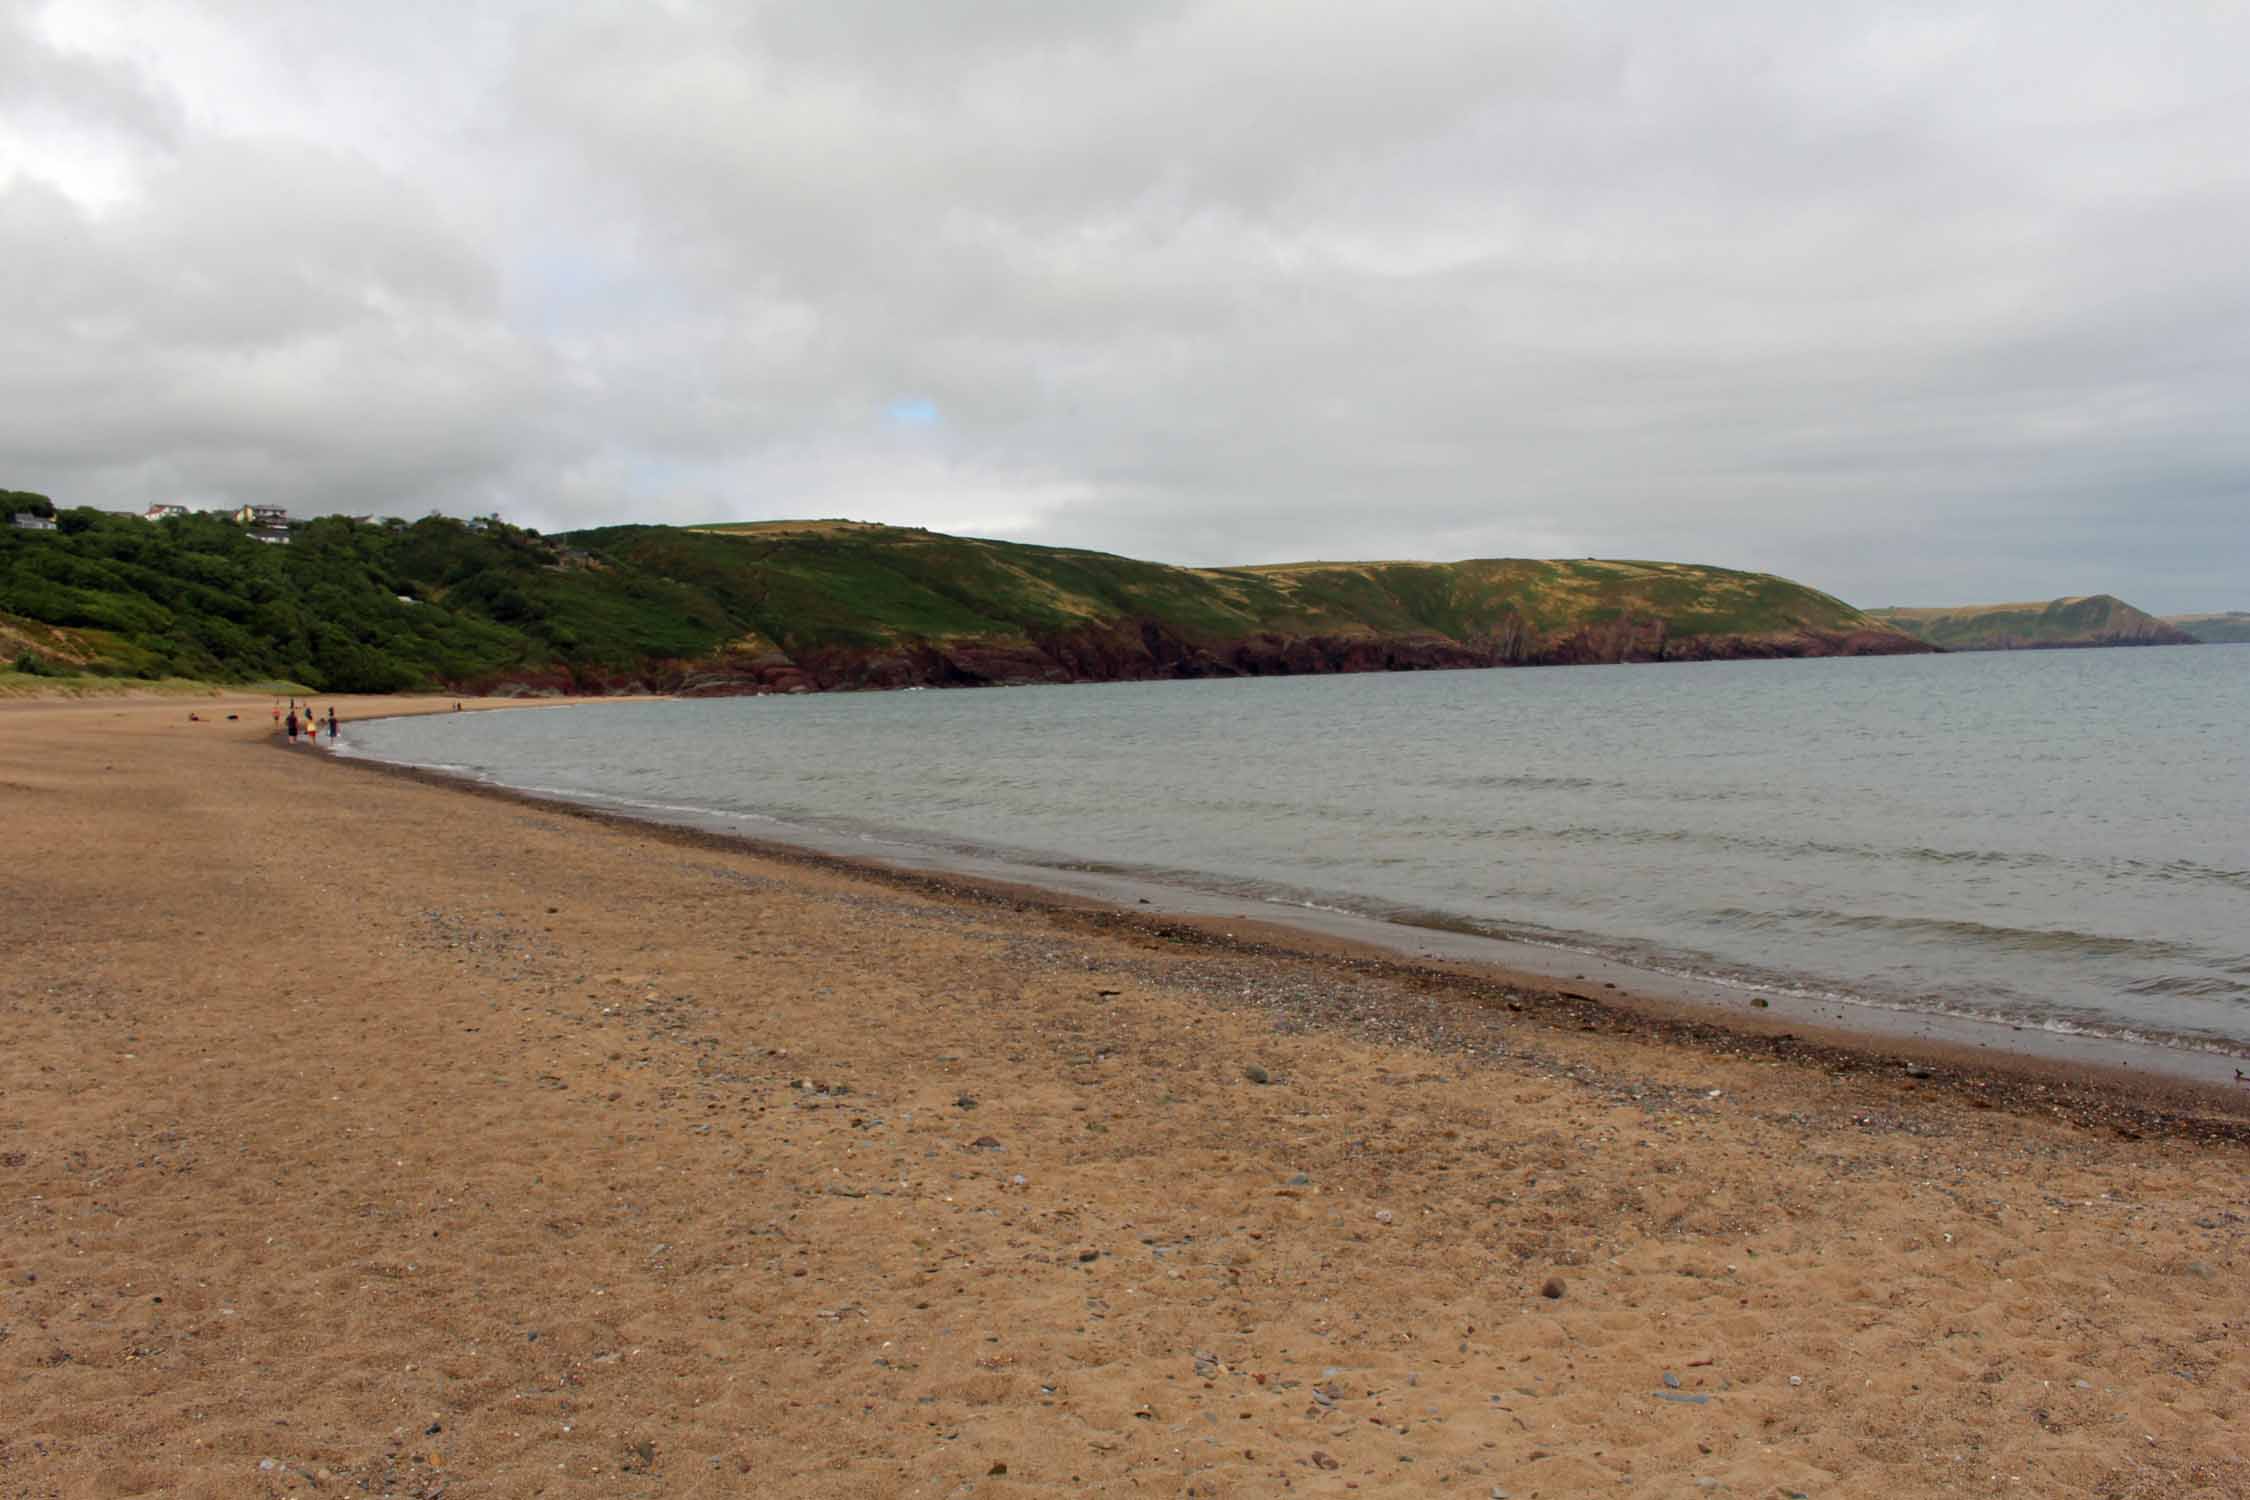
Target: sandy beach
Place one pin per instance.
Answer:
(361, 1134)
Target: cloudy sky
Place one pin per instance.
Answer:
(1916, 303)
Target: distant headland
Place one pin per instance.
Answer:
(2218, 627)
(2074, 621)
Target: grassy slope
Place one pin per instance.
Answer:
(2226, 626)
(838, 584)
(2081, 620)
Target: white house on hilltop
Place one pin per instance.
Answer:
(163, 512)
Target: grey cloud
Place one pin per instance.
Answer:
(1913, 302)
(44, 84)
(268, 322)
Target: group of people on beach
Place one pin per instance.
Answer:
(307, 723)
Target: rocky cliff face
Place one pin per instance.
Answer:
(1150, 651)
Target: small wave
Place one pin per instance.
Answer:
(2189, 870)
(1507, 782)
(2063, 940)
(1768, 846)
(2019, 859)
(2193, 987)
(1991, 1009)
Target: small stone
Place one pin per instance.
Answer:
(986, 1143)
(1300, 1180)
(1085, 1256)
(1321, 1460)
(1257, 1074)
(1760, 1001)
(1796, 1380)
(1553, 1289)
(1382, 1216)
(998, 1468)
(1671, 1381)
(1685, 1398)
(965, 1101)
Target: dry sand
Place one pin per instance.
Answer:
(365, 1136)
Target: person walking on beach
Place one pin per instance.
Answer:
(331, 723)
(290, 724)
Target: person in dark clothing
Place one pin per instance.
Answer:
(290, 725)
(331, 721)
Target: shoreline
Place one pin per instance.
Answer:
(1951, 1039)
(2095, 1079)
(371, 1132)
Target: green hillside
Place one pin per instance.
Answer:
(792, 606)
(855, 604)
(345, 607)
(2229, 626)
(2081, 620)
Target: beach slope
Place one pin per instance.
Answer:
(360, 1135)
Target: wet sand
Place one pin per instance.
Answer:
(359, 1134)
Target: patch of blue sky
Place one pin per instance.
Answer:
(912, 411)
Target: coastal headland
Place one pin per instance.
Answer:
(2219, 627)
(2049, 624)
(342, 605)
(364, 1134)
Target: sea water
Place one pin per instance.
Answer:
(2059, 839)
